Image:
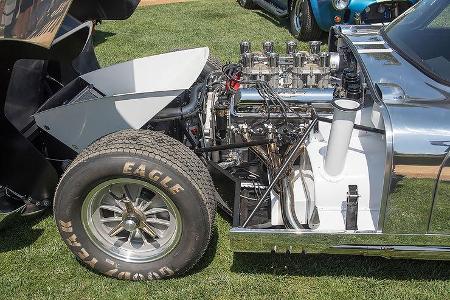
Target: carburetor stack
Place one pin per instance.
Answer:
(295, 69)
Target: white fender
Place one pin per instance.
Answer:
(135, 91)
(165, 72)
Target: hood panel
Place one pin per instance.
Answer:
(386, 67)
(35, 22)
(85, 10)
(132, 94)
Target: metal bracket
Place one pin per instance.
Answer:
(351, 217)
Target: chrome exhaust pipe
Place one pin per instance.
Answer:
(288, 205)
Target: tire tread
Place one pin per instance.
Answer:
(160, 147)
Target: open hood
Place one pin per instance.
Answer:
(35, 22)
(85, 10)
(38, 22)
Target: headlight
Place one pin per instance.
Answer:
(340, 4)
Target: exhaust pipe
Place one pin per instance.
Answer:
(341, 132)
(288, 205)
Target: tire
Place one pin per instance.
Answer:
(302, 22)
(246, 4)
(150, 169)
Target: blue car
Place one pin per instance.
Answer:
(309, 18)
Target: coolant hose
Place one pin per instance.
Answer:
(183, 111)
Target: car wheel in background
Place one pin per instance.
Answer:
(246, 3)
(302, 23)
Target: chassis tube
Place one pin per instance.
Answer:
(292, 156)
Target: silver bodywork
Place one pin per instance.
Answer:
(417, 130)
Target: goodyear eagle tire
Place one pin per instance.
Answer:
(136, 205)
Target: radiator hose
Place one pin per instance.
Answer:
(197, 95)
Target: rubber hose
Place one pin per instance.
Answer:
(182, 111)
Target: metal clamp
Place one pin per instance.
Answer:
(351, 217)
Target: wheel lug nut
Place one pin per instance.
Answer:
(130, 224)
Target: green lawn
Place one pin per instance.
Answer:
(35, 264)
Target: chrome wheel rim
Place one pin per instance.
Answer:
(298, 15)
(131, 220)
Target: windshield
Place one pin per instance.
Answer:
(422, 36)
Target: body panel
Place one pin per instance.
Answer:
(22, 167)
(387, 245)
(103, 9)
(145, 87)
(31, 34)
(37, 23)
(439, 220)
(419, 126)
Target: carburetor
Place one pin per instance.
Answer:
(295, 69)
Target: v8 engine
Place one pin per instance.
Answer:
(283, 125)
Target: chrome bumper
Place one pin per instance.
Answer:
(417, 246)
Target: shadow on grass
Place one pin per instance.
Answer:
(19, 233)
(275, 21)
(209, 255)
(101, 36)
(284, 23)
(340, 265)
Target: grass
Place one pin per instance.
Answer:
(35, 263)
(218, 24)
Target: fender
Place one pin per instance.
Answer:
(324, 12)
(129, 94)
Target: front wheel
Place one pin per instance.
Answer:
(136, 205)
(303, 24)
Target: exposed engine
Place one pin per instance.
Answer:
(261, 116)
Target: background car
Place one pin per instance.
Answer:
(309, 18)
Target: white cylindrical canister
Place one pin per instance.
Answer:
(340, 135)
